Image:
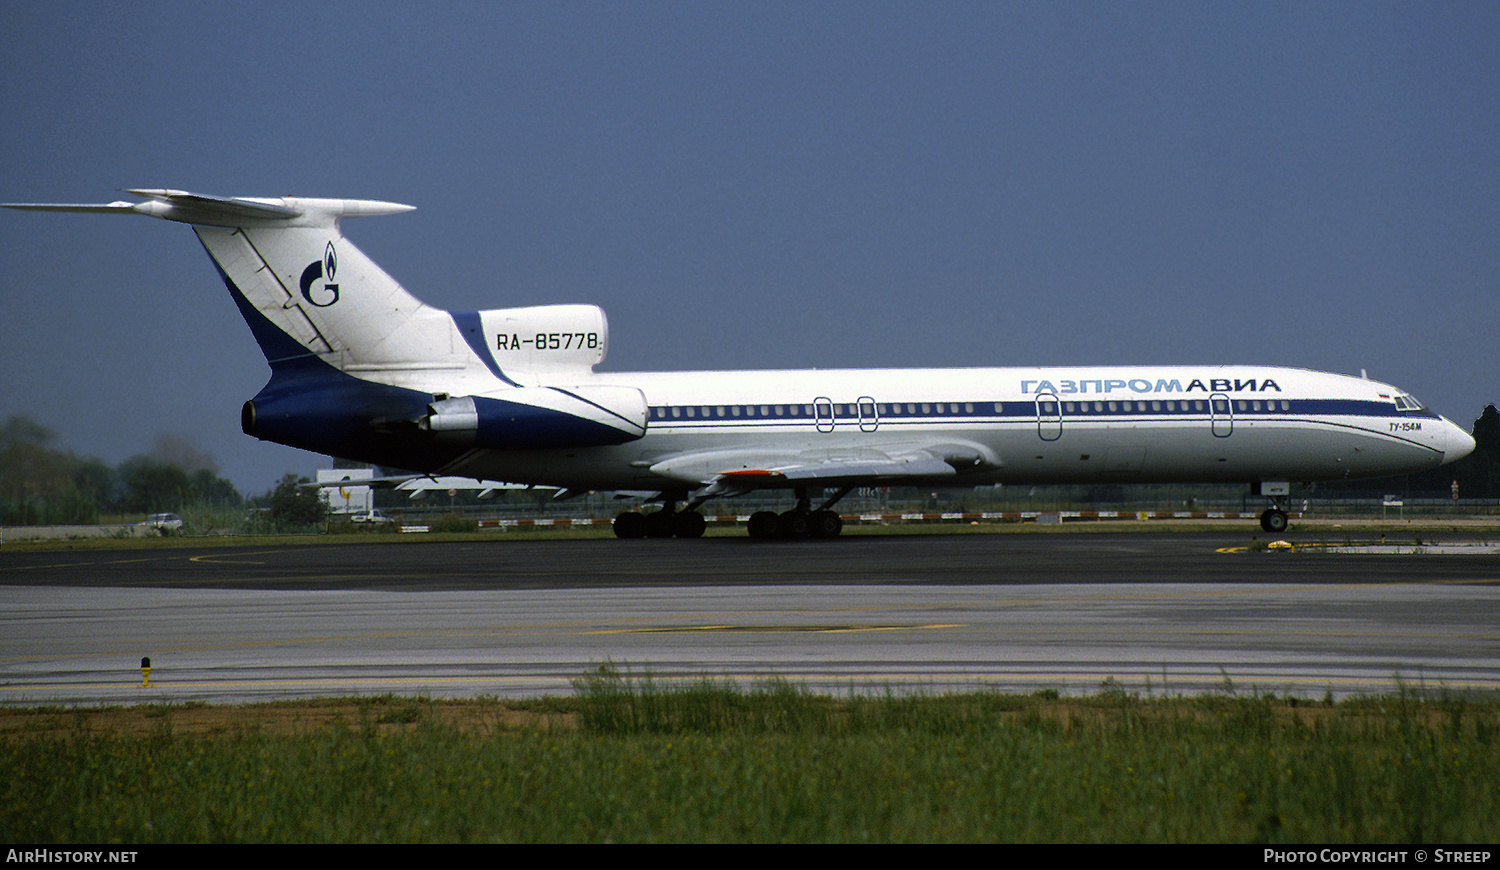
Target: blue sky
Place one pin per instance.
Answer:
(766, 185)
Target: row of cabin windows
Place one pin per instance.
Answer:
(1191, 406)
(867, 410)
(846, 410)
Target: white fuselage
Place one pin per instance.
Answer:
(1054, 425)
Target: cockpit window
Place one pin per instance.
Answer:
(1407, 403)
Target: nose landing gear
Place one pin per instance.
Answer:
(1273, 519)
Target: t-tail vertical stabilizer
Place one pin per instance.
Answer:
(363, 369)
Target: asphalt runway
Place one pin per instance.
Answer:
(1146, 613)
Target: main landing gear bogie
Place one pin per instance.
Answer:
(661, 524)
(795, 524)
(801, 521)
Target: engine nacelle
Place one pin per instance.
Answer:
(539, 418)
(337, 415)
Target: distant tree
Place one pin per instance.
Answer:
(292, 504)
(36, 481)
(24, 430)
(1487, 432)
(98, 482)
(40, 484)
(1478, 474)
(183, 453)
(151, 486)
(208, 486)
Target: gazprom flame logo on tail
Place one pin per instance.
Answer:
(324, 269)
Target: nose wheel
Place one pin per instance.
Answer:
(1274, 520)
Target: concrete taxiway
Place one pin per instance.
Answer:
(1074, 612)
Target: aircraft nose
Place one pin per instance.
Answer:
(1454, 442)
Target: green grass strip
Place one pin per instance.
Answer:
(715, 762)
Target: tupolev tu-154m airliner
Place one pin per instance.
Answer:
(362, 370)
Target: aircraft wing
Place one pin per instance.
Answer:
(734, 472)
(418, 485)
(372, 482)
(913, 465)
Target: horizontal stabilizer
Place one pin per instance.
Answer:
(66, 206)
(216, 205)
(229, 211)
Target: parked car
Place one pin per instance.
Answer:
(369, 517)
(166, 524)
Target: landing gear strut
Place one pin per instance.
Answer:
(1273, 519)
